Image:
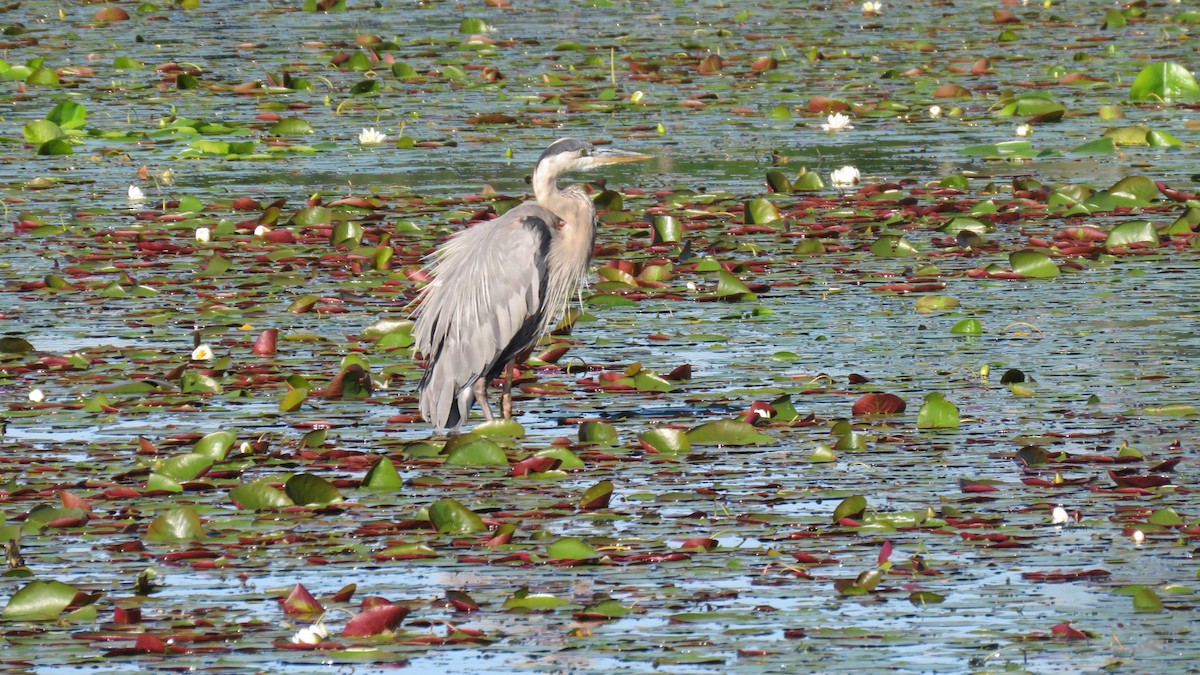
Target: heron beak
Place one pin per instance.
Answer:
(603, 155)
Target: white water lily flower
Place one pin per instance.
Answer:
(370, 136)
(202, 353)
(136, 194)
(637, 97)
(1024, 130)
(313, 635)
(845, 176)
(1059, 516)
(935, 111)
(203, 235)
(871, 8)
(1139, 537)
(261, 231)
(37, 396)
(837, 122)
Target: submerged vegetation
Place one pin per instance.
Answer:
(889, 360)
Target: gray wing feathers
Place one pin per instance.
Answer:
(487, 283)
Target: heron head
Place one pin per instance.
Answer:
(570, 154)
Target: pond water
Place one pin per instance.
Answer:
(113, 294)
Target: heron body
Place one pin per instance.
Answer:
(498, 286)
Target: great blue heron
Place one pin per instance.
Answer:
(498, 286)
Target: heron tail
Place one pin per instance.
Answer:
(444, 402)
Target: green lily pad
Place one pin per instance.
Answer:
(215, 445)
(893, 246)
(822, 454)
(923, 598)
(1100, 146)
(1030, 105)
(41, 131)
(666, 441)
(450, 516)
(472, 24)
(1131, 135)
(967, 327)
(383, 476)
(1134, 191)
(1146, 600)
(539, 602)
(1003, 149)
(259, 496)
(1033, 264)
(307, 489)
(473, 450)
(1172, 410)
(598, 433)
(1134, 231)
(597, 496)
(1167, 82)
(728, 432)
(1162, 139)
(761, 211)
(185, 467)
(850, 507)
(1166, 517)
(68, 115)
(937, 413)
(931, 303)
(39, 601)
(291, 126)
(15, 345)
(571, 548)
(567, 460)
(729, 286)
(181, 523)
(606, 608)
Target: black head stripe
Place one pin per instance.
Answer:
(565, 145)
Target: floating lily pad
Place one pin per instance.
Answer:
(570, 548)
(599, 433)
(383, 476)
(258, 495)
(937, 413)
(967, 327)
(291, 126)
(39, 601)
(1166, 82)
(1132, 232)
(474, 450)
(307, 489)
(179, 524)
(666, 441)
(728, 432)
(448, 515)
(1033, 264)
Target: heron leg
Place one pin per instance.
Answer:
(506, 395)
(480, 389)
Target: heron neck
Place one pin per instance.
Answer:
(547, 194)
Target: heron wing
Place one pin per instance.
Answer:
(488, 295)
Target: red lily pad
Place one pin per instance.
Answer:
(299, 602)
(878, 404)
(377, 620)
